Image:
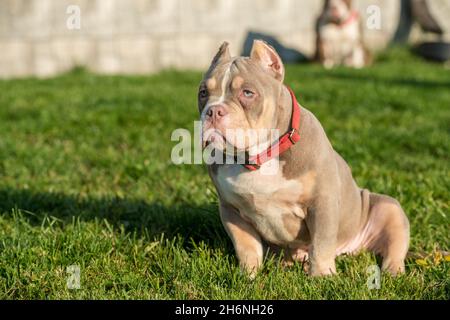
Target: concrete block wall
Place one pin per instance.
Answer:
(145, 36)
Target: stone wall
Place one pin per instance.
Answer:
(144, 36)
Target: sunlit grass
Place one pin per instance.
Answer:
(86, 179)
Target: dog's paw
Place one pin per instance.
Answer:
(395, 268)
(249, 271)
(320, 271)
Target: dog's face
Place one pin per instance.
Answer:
(337, 11)
(238, 96)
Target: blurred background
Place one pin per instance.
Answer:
(146, 36)
(86, 174)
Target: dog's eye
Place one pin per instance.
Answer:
(248, 93)
(203, 93)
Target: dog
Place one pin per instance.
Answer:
(310, 206)
(339, 36)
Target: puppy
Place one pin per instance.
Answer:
(339, 36)
(291, 190)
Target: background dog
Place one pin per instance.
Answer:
(339, 38)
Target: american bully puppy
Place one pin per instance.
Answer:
(339, 36)
(310, 206)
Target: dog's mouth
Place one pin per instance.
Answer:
(218, 141)
(214, 139)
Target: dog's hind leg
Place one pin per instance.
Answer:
(389, 232)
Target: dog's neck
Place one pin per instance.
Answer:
(351, 16)
(284, 111)
(283, 116)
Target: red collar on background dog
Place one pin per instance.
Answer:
(354, 15)
(284, 143)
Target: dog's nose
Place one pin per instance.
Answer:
(216, 112)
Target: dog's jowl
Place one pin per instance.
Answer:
(310, 206)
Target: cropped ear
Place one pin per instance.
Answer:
(222, 55)
(268, 58)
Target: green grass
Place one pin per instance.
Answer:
(86, 179)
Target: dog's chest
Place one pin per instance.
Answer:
(343, 39)
(265, 199)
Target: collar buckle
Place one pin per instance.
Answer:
(291, 134)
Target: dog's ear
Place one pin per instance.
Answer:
(222, 55)
(326, 5)
(268, 58)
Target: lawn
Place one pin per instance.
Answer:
(86, 179)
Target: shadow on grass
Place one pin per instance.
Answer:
(151, 220)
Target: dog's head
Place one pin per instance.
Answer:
(337, 11)
(238, 96)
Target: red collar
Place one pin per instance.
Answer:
(284, 142)
(354, 15)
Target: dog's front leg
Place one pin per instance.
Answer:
(246, 241)
(323, 225)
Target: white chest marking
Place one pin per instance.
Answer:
(262, 198)
(221, 99)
